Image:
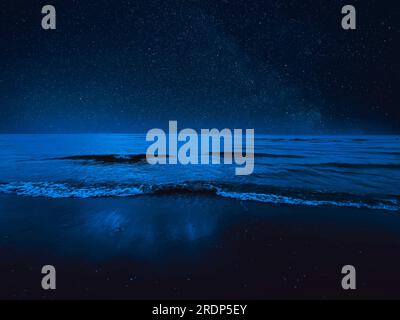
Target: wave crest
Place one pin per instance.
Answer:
(239, 192)
(64, 190)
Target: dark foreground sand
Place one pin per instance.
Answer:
(194, 246)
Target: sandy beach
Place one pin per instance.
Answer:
(194, 246)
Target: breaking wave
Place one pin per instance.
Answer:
(252, 193)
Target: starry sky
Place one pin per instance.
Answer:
(129, 66)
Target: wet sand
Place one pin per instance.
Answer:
(194, 247)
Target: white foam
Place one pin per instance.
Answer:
(271, 198)
(60, 190)
(65, 190)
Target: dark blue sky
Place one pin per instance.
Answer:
(129, 66)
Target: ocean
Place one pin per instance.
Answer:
(343, 171)
(115, 226)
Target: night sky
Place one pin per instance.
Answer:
(129, 66)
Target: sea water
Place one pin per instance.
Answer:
(352, 171)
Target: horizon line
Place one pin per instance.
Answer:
(256, 133)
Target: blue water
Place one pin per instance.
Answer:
(352, 171)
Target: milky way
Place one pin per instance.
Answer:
(128, 66)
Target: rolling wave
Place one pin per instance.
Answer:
(107, 158)
(238, 192)
(141, 158)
